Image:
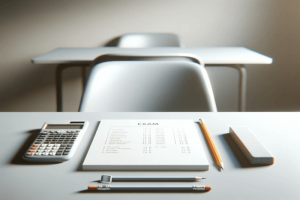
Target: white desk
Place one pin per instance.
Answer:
(279, 132)
(235, 57)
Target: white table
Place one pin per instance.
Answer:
(279, 132)
(235, 57)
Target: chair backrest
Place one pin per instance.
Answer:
(148, 86)
(144, 40)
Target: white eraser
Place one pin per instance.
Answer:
(252, 148)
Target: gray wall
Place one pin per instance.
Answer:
(31, 28)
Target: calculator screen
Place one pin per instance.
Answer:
(58, 126)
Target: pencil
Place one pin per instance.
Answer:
(211, 144)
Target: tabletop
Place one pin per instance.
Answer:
(210, 55)
(279, 132)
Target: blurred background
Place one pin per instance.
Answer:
(31, 28)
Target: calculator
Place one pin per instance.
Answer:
(56, 142)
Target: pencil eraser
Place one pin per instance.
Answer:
(253, 149)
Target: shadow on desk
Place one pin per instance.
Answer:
(18, 160)
(236, 155)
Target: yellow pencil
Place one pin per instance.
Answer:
(211, 144)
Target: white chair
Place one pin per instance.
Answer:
(148, 86)
(144, 40)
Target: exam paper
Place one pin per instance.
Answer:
(146, 145)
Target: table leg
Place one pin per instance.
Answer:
(243, 83)
(59, 83)
(243, 87)
(58, 77)
(84, 77)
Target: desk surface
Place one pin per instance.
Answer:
(210, 55)
(279, 132)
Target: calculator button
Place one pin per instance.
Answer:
(38, 143)
(77, 131)
(59, 153)
(71, 142)
(45, 154)
(37, 154)
(70, 145)
(29, 153)
(67, 150)
(35, 145)
(66, 153)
